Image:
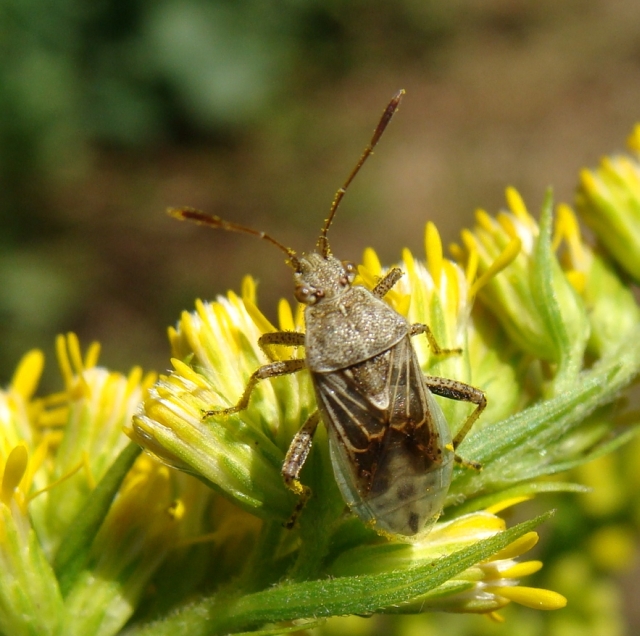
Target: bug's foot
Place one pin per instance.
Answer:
(465, 463)
(219, 412)
(304, 492)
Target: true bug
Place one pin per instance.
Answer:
(391, 448)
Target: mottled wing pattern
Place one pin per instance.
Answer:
(381, 417)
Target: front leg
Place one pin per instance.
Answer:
(283, 338)
(271, 370)
(385, 284)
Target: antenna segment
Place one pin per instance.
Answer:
(389, 111)
(202, 218)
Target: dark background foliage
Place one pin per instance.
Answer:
(110, 111)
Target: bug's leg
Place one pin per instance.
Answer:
(384, 286)
(284, 338)
(271, 370)
(460, 391)
(387, 282)
(419, 328)
(294, 461)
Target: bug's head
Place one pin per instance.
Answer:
(319, 278)
(320, 275)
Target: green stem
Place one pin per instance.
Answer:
(260, 570)
(320, 513)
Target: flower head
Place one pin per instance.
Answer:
(483, 588)
(56, 455)
(536, 303)
(609, 201)
(216, 352)
(30, 599)
(609, 302)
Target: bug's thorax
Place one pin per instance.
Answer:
(345, 324)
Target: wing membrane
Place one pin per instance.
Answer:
(380, 416)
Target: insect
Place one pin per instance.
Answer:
(391, 447)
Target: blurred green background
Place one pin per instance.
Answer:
(113, 110)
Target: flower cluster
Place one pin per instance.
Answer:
(85, 520)
(530, 341)
(96, 537)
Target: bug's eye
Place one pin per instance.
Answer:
(305, 294)
(350, 272)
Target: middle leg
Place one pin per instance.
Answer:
(294, 461)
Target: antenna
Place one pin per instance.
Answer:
(389, 111)
(202, 218)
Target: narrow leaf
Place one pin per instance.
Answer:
(327, 597)
(74, 550)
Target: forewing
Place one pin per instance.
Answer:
(376, 412)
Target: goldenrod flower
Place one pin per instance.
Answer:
(609, 201)
(57, 576)
(609, 302)
(483, 588)
(82, 430)
(535, 302)
(95, 537)
(215, 351)
(30, 599)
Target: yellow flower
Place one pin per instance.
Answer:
(30, 599)
(535, 302)
(81, 431)
(609, 302)
(142, 530)
(54, 452)
(216, 352)
(94, 535)
(609, 201)
(484, 588)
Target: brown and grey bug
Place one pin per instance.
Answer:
(391, 447)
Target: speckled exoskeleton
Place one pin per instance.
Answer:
(391, 447)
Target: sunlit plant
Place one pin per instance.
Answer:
(192, 537)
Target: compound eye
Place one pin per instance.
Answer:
(350, 271)
(305, 294)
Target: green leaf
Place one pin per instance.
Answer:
(515, 449)
(527, 490)
(327, 597)
(559, 307)
(74, 549)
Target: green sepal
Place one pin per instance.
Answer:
(559, 307)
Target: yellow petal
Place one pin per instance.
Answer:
(531, 597)
(519, 570)
(518, 547)
(25, 379)
(14, 470)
